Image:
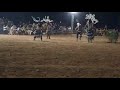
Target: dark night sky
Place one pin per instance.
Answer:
(111, 19)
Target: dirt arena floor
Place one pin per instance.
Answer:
(60, 57)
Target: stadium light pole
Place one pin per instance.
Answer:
(72, 20)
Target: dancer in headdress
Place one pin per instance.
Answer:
(90, 32)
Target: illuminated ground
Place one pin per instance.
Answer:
(61, 56)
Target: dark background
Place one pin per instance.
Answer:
(112, 19)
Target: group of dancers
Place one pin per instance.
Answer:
(39, 32)
(79, 32)
(90, 32)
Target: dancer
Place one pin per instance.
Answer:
(38, 33)
(48, 31)
(78, 31)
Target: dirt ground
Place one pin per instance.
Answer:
(60, 57)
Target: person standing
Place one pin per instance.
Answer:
(48, 31)
(38, 33)
(90, 36)
(78, 31)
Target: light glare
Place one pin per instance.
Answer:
(73, 12)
